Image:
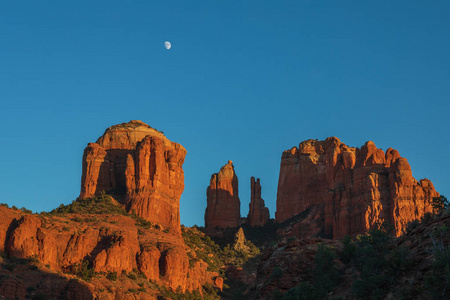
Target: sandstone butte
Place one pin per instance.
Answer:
(223, 205)
(258, 214)
(141, 167)
(346, 190)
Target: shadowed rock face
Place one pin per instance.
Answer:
(258, 213)
(141, 164)
(356, 187)
(223, 205)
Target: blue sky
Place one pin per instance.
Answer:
(244, 81)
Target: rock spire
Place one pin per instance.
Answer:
(258, 213)
(223, 205)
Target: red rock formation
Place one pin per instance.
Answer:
(223, 205)
(258, 213)
(136, 161)
(357, 187)
(111, 243)
(148, 263)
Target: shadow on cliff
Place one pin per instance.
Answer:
(308, 223)
(26, 279)
(112, 178)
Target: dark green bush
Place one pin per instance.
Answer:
(440, 204)
(325, 274)
(100, 204)
(348, 250)
(112, 276)
(438, 281)
(378, 266)
(303, 291)
(85, 271)
(277, 273)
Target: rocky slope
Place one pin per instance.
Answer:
(141, 167)
(286, 265)
(104, 245)
(350, 189)
(372, 266)
(222, 195)
(258, 213)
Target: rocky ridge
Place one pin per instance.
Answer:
(106, 244)
(352, 188)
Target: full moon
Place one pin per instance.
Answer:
(167, 45)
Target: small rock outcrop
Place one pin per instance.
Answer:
(352, 188)
(223, 205)
(258, 214)
(141, 167)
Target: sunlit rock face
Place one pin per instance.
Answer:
(258, 214)
(113, 243)
(142, 166)
(223, 205)
(355, 187)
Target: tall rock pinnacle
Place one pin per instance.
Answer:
(258, 213)
(223, 205)
(142, 166)
(352, 188)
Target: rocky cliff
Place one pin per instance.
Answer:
(223, 205)
(141, 167)
(98, 244)
(258, 213)
(350, 188)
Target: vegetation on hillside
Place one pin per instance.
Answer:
(99, 204)
(102, 204)
(239, 253)
(377, 264)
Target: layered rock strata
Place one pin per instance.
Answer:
(258, 214)
(141, 167)
(355, 187)
(109, 243)
(223, 205)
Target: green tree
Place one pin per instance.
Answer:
(440, 204)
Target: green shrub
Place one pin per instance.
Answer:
(143, 223)
(85, 271)
(132, 276)
(378, 267)
(100, 204)
(303, 291)
(325, 273)
(112, 276)
(411, 226)
(27, 211)
(440, 204)
(277, 273)
(438, 281)
(348, 250)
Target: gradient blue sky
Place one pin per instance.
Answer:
(244, 81)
